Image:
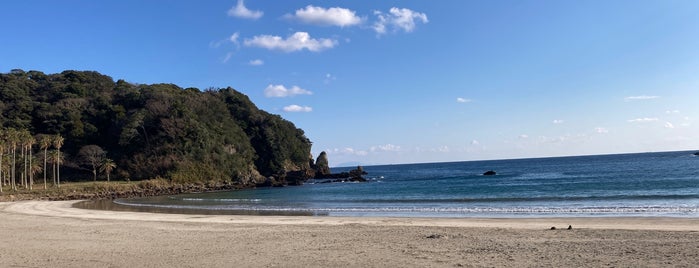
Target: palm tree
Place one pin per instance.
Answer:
(52, 158)
(3, 141)
(22, 137)
(107, 166)
(2, 152)
(5, 174)
(44, 143)
(29, 142)
(34, 168)
(12, 139)
(58, 143)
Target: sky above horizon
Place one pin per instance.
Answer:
(389, 82)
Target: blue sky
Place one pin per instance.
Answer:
(385, 82)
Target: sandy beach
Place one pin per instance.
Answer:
(43, 234)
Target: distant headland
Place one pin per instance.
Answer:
(78, 126)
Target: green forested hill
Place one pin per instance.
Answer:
(159, 130)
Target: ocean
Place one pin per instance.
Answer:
(623, 185)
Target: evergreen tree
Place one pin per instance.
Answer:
(158, 130)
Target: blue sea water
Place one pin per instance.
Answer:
(646, 184)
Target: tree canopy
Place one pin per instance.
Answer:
(158, 130)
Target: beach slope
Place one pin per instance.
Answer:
(42, 234)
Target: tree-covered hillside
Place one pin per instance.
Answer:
(160, 130)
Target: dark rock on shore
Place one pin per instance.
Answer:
(437, 236)
(489, 173)
(341, 175)
(697, 153)
(270, 181)
(355, 175)
(299, 177)
(290, 178)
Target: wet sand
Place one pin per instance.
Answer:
(54, 234)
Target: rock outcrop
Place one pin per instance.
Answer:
(356, 174)
(320, 171)
(321, 166)
(489, 173)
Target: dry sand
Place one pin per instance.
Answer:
(53, 234)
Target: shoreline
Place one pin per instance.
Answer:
(54, 234)
(112, 204)
(67, 209)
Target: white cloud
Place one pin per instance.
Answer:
(643, 120)
(256, 62)
(240, 11)
(601, 130)
(348, 150)
(558, 121)
(475, 142)
(234, 38)
(280, 91)
(672, 111)
(669, 125)
(334, 16)
(227, 57)
(524, 136)
(443, 149)
(216, 44)
(399, 19)
(296, 108)
(561, 139)
(385, 148)
(296, 42)
(642, 97)
(329, 78)
(462, 100)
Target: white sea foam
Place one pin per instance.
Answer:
(687, 210)
(247, 200)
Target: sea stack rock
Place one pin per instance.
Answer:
(697, 153)
(322, 166)
(489, 173)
